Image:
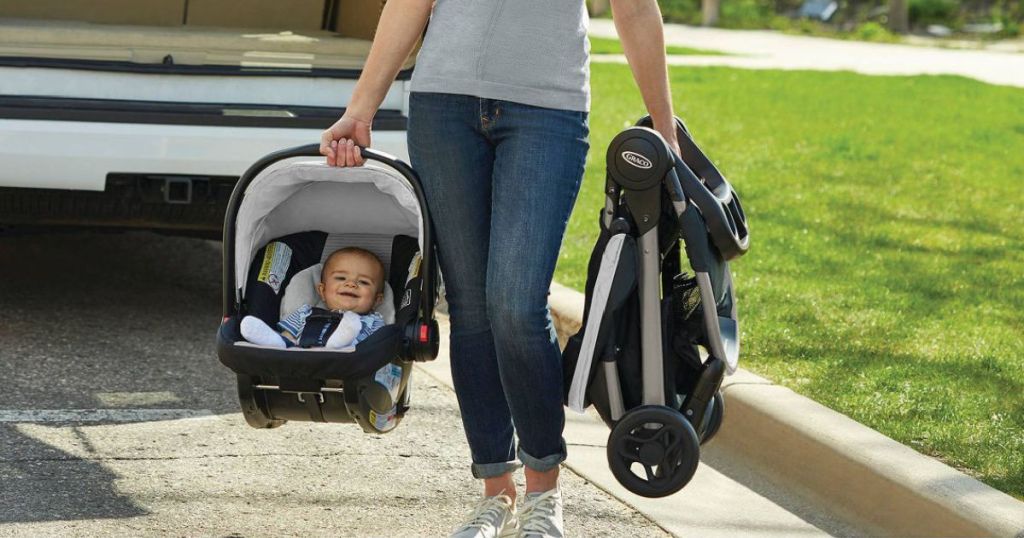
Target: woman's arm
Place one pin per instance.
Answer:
(401, 25)
(638, 23)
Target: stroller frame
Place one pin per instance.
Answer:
(660, 434)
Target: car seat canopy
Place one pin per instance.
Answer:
(310, 195)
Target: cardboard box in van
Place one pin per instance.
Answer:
(132, 12)
(358, 18)
(294, 15)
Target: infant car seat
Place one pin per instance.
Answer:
(282, 221)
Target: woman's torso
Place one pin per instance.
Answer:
(528, 51)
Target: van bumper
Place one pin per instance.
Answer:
(137, 175)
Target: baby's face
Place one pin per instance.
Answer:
(351, 282)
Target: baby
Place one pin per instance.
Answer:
(351, 284)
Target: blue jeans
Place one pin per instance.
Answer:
(500, 179)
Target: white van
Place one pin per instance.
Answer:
(143, 113)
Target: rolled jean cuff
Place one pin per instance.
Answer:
(547, 462)
(491, 470)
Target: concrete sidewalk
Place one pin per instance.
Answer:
(763, 49)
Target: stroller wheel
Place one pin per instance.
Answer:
(713, 418)
(653, 451)
(253, 405)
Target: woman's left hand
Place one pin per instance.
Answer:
(669, 133)
(673, 143)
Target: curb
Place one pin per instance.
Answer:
(833, 459)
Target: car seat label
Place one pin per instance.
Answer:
(275, 265)
(384, 422)
(390, 377)
(414, 268)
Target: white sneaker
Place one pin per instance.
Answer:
(491, 518)
(540, 515)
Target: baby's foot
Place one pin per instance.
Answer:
(255, 330)
(346, 333)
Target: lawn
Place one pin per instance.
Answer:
(886, 272)
(606, 45)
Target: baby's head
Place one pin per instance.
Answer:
(352, 279)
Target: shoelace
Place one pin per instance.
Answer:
(536, 514)
(479, 517)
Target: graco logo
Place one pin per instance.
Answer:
(637, 160)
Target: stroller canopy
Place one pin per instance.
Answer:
(310, 195)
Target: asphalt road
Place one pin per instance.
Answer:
(116, 419)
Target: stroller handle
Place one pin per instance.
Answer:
(705, 185)
(231, 299)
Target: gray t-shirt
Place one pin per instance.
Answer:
(527, 51)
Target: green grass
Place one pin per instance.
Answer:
(886, 274)
(606, 45)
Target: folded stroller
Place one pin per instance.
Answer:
(636, 357)
(283, 220)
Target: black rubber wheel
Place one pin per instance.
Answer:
(253, 405)
(661, 442)
(713, 418)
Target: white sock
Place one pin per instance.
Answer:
(255, 330)
(346, 333)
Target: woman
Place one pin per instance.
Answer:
(498, 133)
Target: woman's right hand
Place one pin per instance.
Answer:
(339, 143)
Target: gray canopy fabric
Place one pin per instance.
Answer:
(310, 195)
